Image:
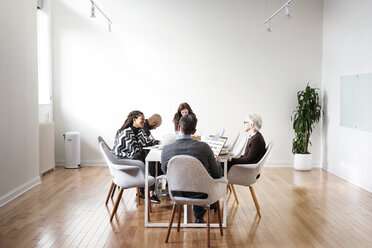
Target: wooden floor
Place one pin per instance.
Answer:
(299, 209)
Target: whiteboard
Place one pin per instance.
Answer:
(356, 101)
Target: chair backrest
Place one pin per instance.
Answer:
(112, 159)
(239, 146)
(106, 152)
(262, 162)
(100, 139)
(186, 173)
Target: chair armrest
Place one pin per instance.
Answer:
(243, 174)
(131, 162)
(125, 167)
(246, 166)
(221, 180)
(126, 161)
(162, 176)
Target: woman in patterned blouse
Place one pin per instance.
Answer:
(129, 141)
(131, 138)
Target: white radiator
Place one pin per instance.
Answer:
(46, 146)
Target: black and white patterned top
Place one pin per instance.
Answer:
(127, 142)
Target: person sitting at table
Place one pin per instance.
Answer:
(152, 123)
(183, 109)
(129, 141)
(256, 146)
(184, 145)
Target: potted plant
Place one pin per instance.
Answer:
(306, 115)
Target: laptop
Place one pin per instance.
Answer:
(168, 139)
(216, 143)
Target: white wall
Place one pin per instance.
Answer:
(347, 49)
(216, 55)
(19, 135)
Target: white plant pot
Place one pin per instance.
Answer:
(303, 162)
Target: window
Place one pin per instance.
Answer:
(44, 56)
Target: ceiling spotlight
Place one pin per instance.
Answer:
(287, 11)
(94, 7)
(284, 6)
(268, 26)
(92, 15)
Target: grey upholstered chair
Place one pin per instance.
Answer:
(126, 173)
(113, 185)
(247, 175)
(186, 173)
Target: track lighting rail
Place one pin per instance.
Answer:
(94, 5)
(267, 22)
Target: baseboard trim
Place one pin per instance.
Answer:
(84, 163)
(4, 199)
(281, 163)
(270, 163)
(338, 174)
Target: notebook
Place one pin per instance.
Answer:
(216, 143)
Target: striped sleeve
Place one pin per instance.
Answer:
(124, 146)
(145, 140)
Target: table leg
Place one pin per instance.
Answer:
(185, 214)
(146, 192)
(225, 197)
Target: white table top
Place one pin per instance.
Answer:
(154, 155)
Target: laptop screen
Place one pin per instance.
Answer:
(216, 143)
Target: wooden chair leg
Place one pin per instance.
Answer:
(208, 229)
(233, 190)
(109, 193)
(171, 221)
(138, 197)
(219, 217)
(255, 201)
(116, 204)
(179, 218)
(113, 191)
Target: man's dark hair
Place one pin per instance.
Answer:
(188, 123)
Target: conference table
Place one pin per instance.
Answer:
(155, 156)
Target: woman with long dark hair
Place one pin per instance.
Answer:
(131, 138)
(129, 141)
(183, 109)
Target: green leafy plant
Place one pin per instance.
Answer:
(304, 118)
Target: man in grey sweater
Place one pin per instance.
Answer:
(184, 145)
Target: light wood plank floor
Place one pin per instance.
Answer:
(299, 209)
